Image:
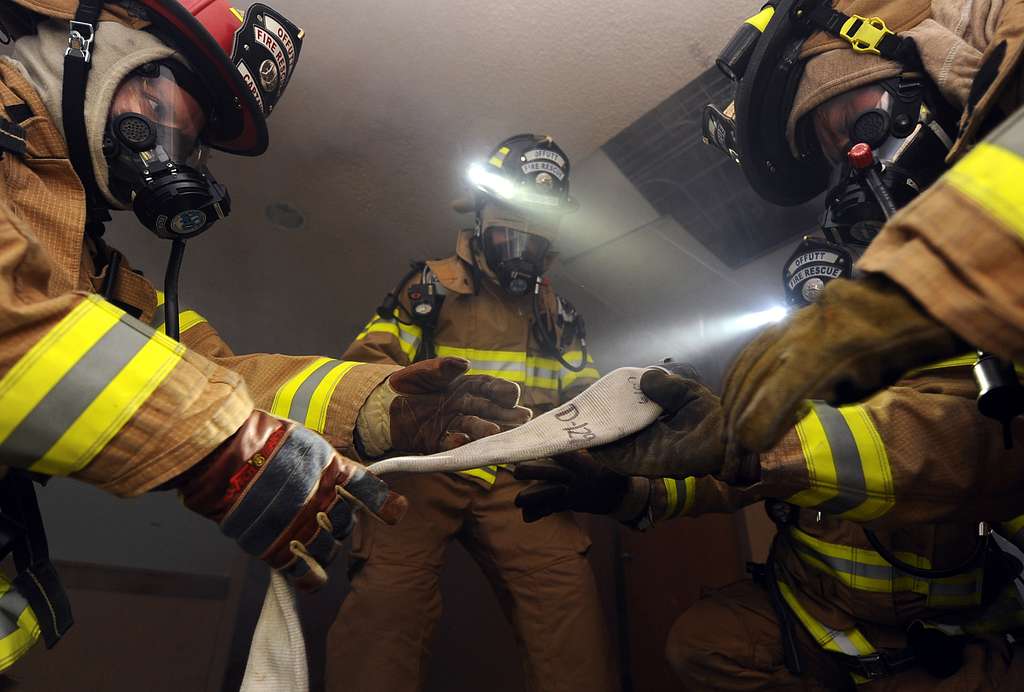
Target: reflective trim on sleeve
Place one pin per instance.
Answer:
(305, 397)
(866, 570)
(408, 334)
(19, 629)
(847, 465)
(186, 318)
(850, 642)
(991, 176)
(74, 390)
(679, 496)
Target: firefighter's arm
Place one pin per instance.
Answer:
(576, 482)
(918, 452)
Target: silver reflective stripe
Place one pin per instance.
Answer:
(843, 642)
(304, 394)
(12, 604)
(849, 469)
(498, 365)
(545, 372)
(73, 394)
(845, 566)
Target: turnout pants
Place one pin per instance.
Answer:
(730, 641)
(539, 571)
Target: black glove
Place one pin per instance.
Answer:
(571, 481)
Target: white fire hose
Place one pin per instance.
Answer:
(608, 410)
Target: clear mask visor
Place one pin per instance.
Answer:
(176, 116)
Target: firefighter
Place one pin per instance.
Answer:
(877, 573)
(943, 273)
(110, 106)
(489, 303)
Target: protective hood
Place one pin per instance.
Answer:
(119, 50)
(950, 36)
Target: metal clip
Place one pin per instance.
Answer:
(865, 34)
(80, 36)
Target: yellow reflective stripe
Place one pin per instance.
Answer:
(486, 473)
(866, 570)
(847, 465)
(115, 405)
(821, 468)
(878, 483)
(690, 483)
(186, 320)
(760, 20)
(543, 373)
(74, 390)
(22, 633)
(43, 366)
(408, 335)
(510, 365)
(966, 360)
(316, 415)
(991, 176)
(671, 497)
(284, 396)
(850, 642)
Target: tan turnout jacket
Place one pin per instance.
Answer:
(900, 463)
(87, 390)
(491, 329)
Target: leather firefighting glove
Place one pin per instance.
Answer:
(574, 481)
(860, 337)
(433, 406)
(286, 496)
(685, 441)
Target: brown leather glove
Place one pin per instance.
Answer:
(571, 481)
(685, 441)
(286, 496)
(437, 406)
(860, 337)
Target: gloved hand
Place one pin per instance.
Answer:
(860, 337)
(432, 406)
(286, 496)
(685, 441)
(571, 481)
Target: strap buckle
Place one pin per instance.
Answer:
(865, 34)
(80, 36)
(873, 666)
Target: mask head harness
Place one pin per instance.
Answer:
(240, 67)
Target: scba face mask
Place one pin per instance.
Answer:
(516, 257)
(155, 153)
(908, 145)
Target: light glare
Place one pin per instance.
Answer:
(490, 182)
(753, 320)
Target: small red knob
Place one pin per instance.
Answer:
(860, 156)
